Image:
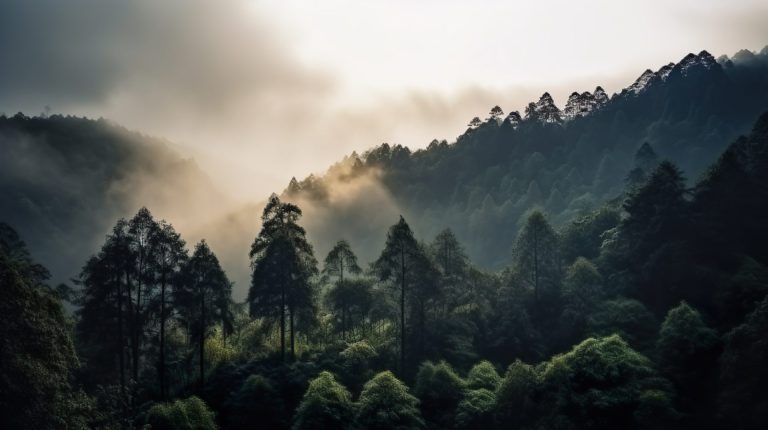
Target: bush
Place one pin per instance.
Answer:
(386, 404)
(483, 375)
(188, 414)
(326, 405)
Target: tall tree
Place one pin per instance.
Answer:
(203, 298)
(536, 256)
(170, 258)
(453, 264)
(341, 260)
(398, 265)
(36, 352)
(352, 300)
(648, 255)
(142, 234)
(103, 321)
(282, 263)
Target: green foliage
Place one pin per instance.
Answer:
(625, 317)
(356, 361)
(683, 339)
(537, 258)
(584, 236)
(340, 261)
(326, 404)
(582, 291)
(600, 384)
(203, 299)
(475, 411)
(283, 262)
(483, 375)
(440, 390)
(257, 402)
(743, 399)
(516, 397)
(386, 404)
(188, 414)
(36, 352)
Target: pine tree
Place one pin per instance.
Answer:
(282, 263)
(203, 297)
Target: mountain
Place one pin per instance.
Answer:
(65, 180)
(565, 162)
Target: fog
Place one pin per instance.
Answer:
(254, 92)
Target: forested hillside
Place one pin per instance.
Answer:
(563, 161)
(63, 179)
(650, 313)
(602, 266)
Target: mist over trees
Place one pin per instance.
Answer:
(646, 309)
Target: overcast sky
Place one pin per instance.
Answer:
(262, 90)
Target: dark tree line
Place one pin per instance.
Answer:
(648, 313)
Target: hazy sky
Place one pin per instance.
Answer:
(262, 90)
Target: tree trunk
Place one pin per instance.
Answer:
(120, 337)
(282, 324)
(202, 338)
(402, 311)
(162, 339)
(293, 346)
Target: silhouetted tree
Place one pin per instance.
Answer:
(203, 298)
(282, 262)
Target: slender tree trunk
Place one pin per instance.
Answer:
(162, 339)
(293, 345)
(120, 336)
(402, 311)
(536, 265)
(282, 324)
(202, 338)
(137, 326)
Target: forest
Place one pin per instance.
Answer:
(647, 312)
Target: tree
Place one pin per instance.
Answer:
(37, 357)
(356, 362)
(104, 321)
(142, 233)
(398, 265)
(687, 355)
(344, 294)
(440, 390)
(483, 375)
(282, 263)
(744, 377)
(187, 414)
(626, 317)
(649, 252)
(453, 264)
(256, 403)
(170, 257)
(537, 258)
(203, 298)
(475, 411)
(582, 291)
(352, 300)
(326, 405)
(339, 260)
(516, 402)
(385, 404)
(495, 113)
(476, 122)
(602, 384)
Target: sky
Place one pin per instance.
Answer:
(258, 91)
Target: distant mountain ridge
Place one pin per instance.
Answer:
(64, 180)
(565, 162)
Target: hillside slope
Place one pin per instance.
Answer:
(563, 161)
